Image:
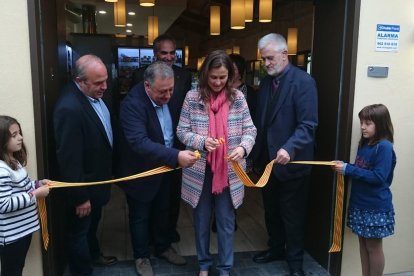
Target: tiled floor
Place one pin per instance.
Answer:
(115, 237)
(243, 266)
(250, 237)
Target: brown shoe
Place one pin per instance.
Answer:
(171, 256)
(105, 260)
(143, 267)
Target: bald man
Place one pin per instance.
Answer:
(83, 134)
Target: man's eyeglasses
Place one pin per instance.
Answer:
(166, 53)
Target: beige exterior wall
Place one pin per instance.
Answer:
(396, 92)
(16, 98)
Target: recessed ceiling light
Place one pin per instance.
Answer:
(128, 31)
(129, 24)
(102, 12)
(131, 13)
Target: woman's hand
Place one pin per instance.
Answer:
(211, 144)
(237, 154)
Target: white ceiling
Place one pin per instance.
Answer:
(166, 10)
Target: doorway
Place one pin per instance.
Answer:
(333, 68)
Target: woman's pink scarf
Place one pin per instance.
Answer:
(217, 115)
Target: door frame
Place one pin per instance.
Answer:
(333, 67)
(334, 59)
(46, 38)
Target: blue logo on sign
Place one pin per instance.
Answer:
(388, 28)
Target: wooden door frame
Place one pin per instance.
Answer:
(333, 67)
(46, 56)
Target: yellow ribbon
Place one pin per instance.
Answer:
(339, 198)
(336, 245)
(56, 184)
(41, 205)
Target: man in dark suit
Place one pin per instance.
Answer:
(147, 142)
(164, 50)
(83, 135)
(286, 121)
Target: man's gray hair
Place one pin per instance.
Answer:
(158, 69)
(277, 41)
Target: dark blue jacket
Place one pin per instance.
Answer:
(142, 145)
(290, 123)
(83, 150)
(372, 175)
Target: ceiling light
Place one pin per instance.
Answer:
(200, 62)
(152, 29)
(265, 11)
(147, 3)
(111, 1)
(186, 55)
(131, 13)
(102, 12)
(292, 41)
(237, 14)
(119, 13)
(129, 24)
(248, 8)
(128, 31)
(215, 20)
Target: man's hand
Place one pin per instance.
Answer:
(84, 209)
(186, 158)
(282, 157)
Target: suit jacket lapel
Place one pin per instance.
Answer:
(283, 91)
(265, 98)
(152, 113)
(91, 112)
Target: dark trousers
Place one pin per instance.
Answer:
(175, 201)
(149, 220)
(82, 241)
(285, 205)
(13, 256)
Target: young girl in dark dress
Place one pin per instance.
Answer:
(371, 212)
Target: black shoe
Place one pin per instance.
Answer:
(297, 272)
(105, 260)
(267, 256)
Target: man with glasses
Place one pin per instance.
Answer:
(165, 50)
(147, 142)
(286, 121)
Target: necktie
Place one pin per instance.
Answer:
(275, 85)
